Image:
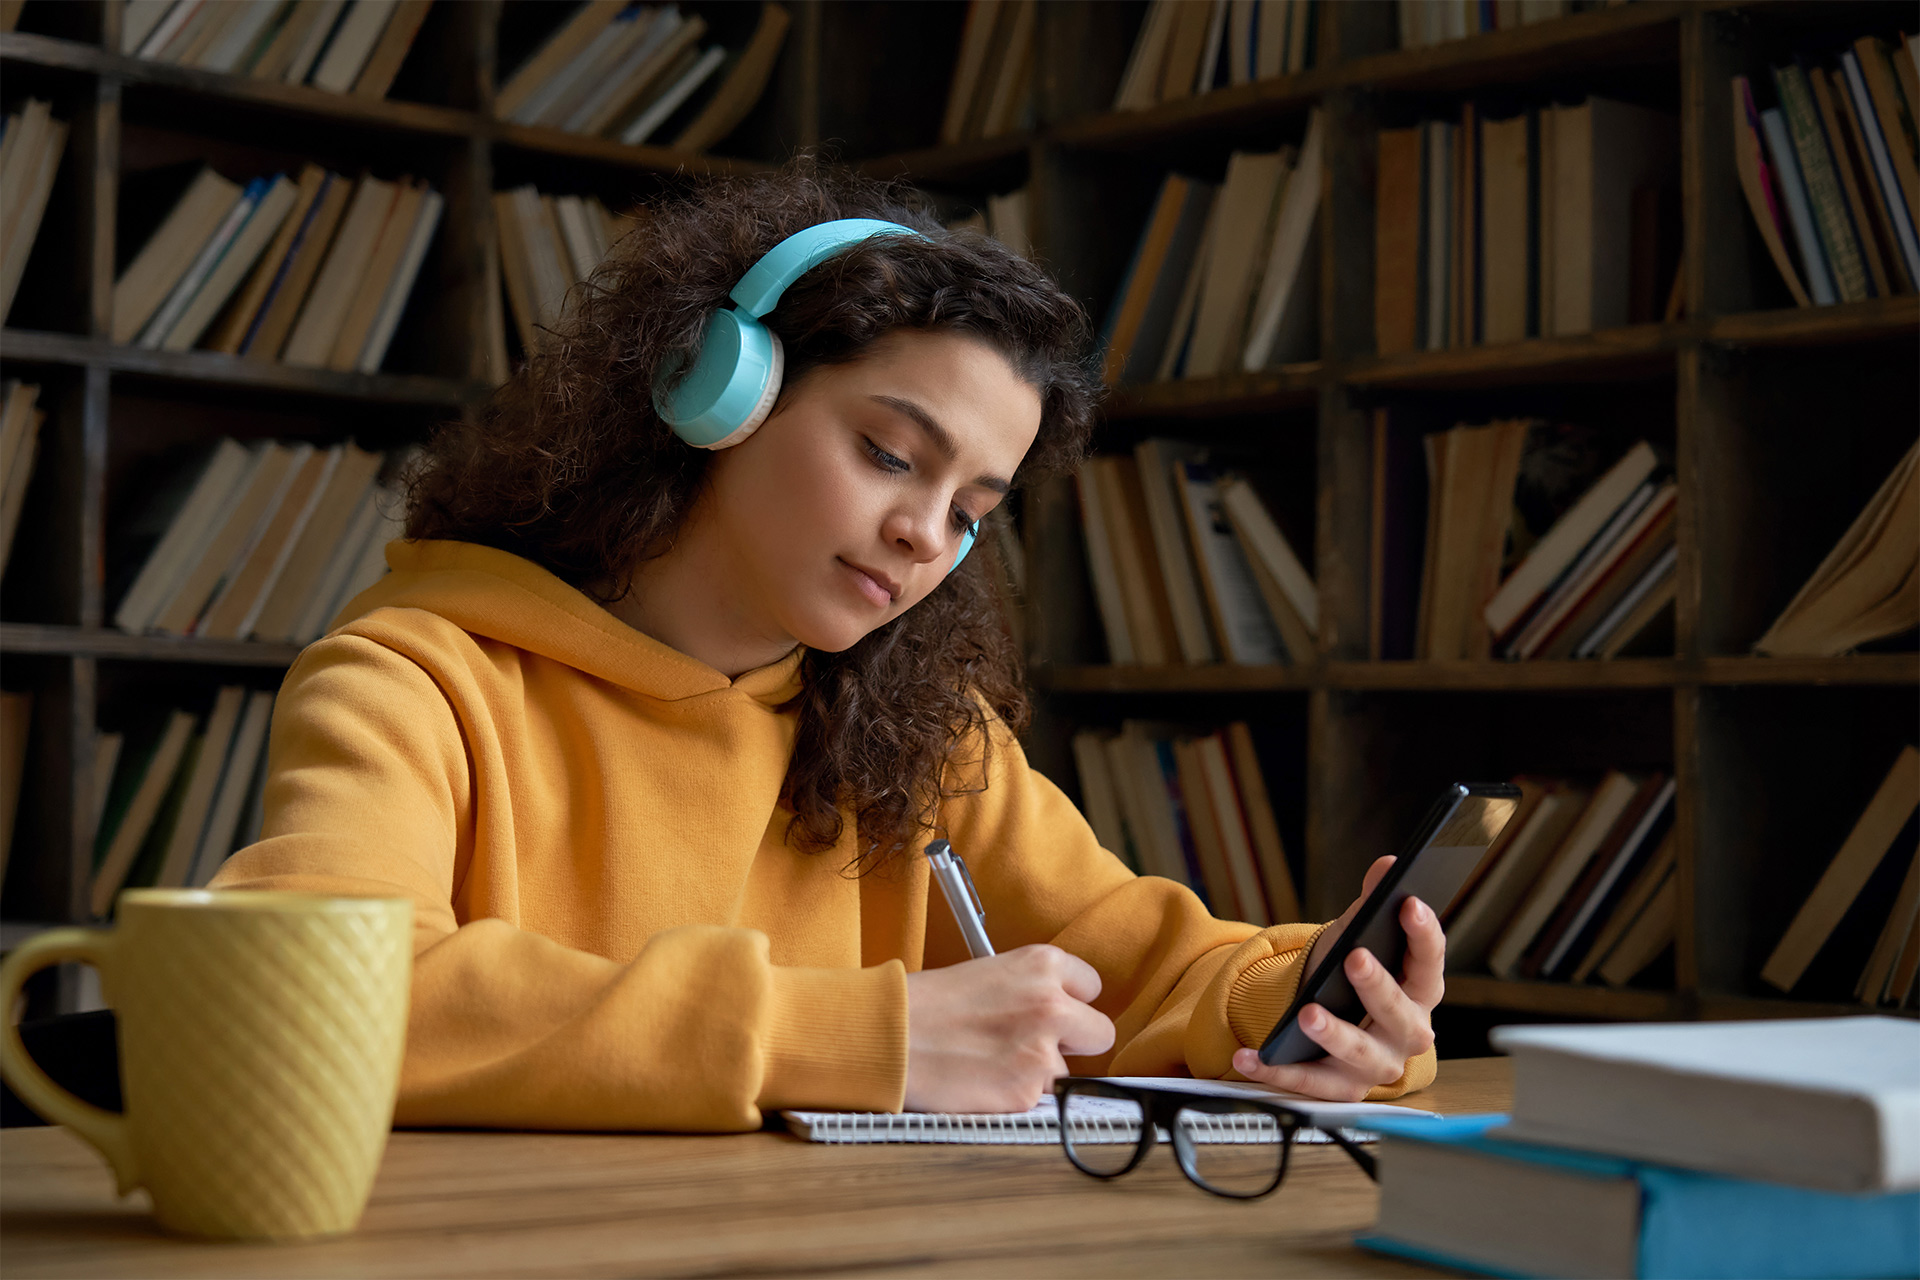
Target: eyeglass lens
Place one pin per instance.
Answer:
(1101, 1134)
(1232, 1154)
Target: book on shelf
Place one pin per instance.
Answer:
(1243, 627)
(140, 787)
(356, 47)
(16, 720)
(1190, 807)
(1141, 317)
(280, 268)
(1185, 49)
(30, 152)
(1468, 1194)
(1868, 587)
(546, 244)
(21, 419)
(1843, 909)
(1828, 170)
(1498, 229)
(991, 92)
(1429, 22)
(1887, 975)
(636, 73)
(251, 542)
(1604, 821)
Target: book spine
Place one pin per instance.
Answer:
(1828, 202)
(1787, 166)
(1885, 179)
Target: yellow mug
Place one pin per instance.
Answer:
(260, 1042)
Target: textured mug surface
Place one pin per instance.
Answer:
(260, 1043)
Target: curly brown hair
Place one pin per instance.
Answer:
(569, 466)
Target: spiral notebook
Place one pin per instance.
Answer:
(1108, 1118)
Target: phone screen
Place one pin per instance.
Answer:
(1439, 860)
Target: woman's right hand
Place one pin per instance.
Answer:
(991, 1035)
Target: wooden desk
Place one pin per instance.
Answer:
(765, 1204)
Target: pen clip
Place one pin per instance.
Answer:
(979, 907)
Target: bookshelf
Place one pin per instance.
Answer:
(1781, 421)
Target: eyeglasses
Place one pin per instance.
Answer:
(1233, 1147)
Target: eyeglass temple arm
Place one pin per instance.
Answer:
(1361, 1156)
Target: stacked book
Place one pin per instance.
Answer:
(264, 541)
(176, 794)
(1831, 172)
(31, 142)
(1870, 891)
(992, 89)
(636, 72)
(1735, 1149)
(547, 244)
(1868, 587)
(1005, 219)
(16, 718)
(1193, 808)
(355, 47)
(1581, 883)
(314, 270)
(1550, 220)
(20, 419)
(1429, 22)
(1224, 279)
(1521, 537)
(1188, 47)
(1188, 564)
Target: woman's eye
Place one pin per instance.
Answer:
(886, 461)
(965, 523)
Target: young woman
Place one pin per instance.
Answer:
(653, 736)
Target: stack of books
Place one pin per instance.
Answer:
(1551, 220)
(314, 270)
(20, 419)
(177, 794)
(1193, 808)
(1005, 219)
(1580, 883)
(1188, 47)
(992, 89)
(1737, 1149)
(356, 47)
(1870, 891)
(1868, 587)
(1430, 22)
(634, 72)
(31, 142)
(265, 542)
(1522, 537)
(16, 719)
(1188, 564)
(547, 244)
(1224, 278)
(1831, 173)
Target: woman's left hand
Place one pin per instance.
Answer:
(1398, 1025)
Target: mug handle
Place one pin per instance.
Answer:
(104, 1129)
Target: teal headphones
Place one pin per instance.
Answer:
(735, 379)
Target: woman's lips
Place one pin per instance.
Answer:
(875, 587)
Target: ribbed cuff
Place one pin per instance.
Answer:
(1265, 990)
(836, 1039)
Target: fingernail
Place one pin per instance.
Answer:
(1420, 913)
(1311, 1019)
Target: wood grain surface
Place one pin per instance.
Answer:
(762, 1204)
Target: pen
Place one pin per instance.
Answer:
(957, 884)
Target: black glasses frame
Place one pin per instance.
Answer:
(1160, 1109)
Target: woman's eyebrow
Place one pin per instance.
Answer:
(941, 437)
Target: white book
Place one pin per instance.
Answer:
(32, 187)
(296, 461)
(1103, 569)
(324, 310)
(587, 81)
(333, 578)
(369, 566)
(1251, 516)
(1725, 1096)
(209, 256)
(394, 305)
(1286, 257)
(284, 552)
(225, 476)
(313, 42)
(604, 105)
(1210, 59)
(163, 31)
(232, 44)
(138, 18)
(1145, 805)
(249, 741)
(1609, 801)
(184, 841)
(1892, 197)
(548, 95)
(669, 102)
(577, 231)
(1656, 573)
(1156, 458)
(1812, 257)
(1099, 800)
(1642, 831)
(1247, 632)
(241, 254)
(1040, 1125)
(352, 44)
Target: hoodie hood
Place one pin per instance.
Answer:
(499, 596)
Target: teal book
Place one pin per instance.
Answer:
(1454, 1193)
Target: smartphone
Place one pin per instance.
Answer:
(1439, 860)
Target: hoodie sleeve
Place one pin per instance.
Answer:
(370, 794)
(1184, 990)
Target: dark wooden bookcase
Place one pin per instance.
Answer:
(1781, 421)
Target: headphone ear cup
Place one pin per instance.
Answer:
(966, 545)
(731, 388)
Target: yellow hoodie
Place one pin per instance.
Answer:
(610, 930)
